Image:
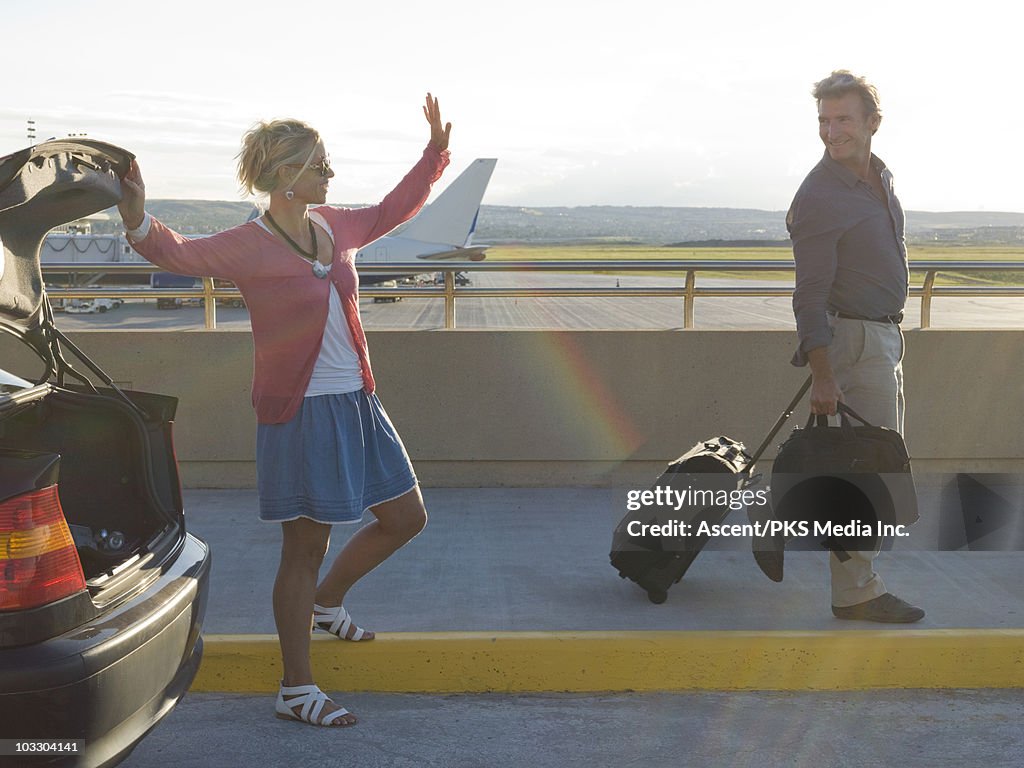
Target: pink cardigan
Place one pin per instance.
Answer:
(287, 303)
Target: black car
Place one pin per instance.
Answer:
(102, 590)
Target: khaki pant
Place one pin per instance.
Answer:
(866, 359)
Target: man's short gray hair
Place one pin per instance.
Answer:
(842, 82)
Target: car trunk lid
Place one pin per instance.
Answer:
(42, 187)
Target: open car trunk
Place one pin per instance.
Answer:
(109, 452)
(117, 481)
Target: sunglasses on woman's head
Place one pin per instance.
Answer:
(323, 167)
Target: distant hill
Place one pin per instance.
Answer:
(660, 225)
(199, 216)
(623, 224)
(708, 227)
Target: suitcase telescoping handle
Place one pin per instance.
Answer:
(778, 425)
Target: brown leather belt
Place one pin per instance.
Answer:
(890, 319)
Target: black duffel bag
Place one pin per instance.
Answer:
(846, 486)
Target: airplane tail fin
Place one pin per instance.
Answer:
(451, 218)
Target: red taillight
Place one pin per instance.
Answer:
(38, 560)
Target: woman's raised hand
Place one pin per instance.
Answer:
(133, 198)
(438, 134)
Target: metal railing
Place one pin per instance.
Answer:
(687, 270)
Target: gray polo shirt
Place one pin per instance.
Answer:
(849, 250)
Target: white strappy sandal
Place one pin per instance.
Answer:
(312, 700)
(338, 622)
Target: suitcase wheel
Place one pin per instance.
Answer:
(657, 596)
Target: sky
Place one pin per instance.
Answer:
(643, 103)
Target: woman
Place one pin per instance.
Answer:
(326, 450)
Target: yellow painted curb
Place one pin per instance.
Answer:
(513, 662)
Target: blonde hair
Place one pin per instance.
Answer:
(269, 145)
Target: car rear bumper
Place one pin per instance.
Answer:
(110, 681)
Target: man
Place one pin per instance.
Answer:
(852, 277)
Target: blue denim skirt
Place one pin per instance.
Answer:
(337, 457)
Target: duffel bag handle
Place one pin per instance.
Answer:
(845, 410)
(816, 420)
(821, 420)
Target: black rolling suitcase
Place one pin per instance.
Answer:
(655, 544)
(657, 560)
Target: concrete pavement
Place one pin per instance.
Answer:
(536, 559)
(506, 580)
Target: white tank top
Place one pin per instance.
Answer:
(337, 368)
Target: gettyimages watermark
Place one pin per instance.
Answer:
(855, 512)
(663, 497)
(666, 496)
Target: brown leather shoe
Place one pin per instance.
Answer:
(885, 608)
